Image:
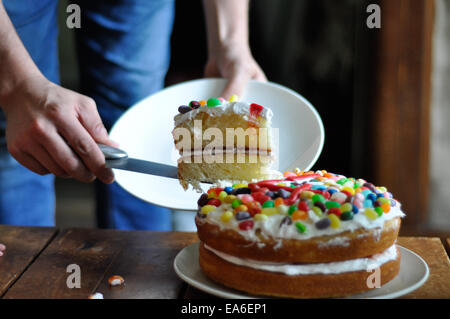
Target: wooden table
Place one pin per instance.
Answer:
(36, 260)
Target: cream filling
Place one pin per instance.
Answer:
(360, 264)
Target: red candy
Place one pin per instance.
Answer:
(214, 201)
(256, 109)
(246, 225)
(254, 208)
(261, 197)
(336, 211)
(303, 206)
(246, 198)
(326, 195)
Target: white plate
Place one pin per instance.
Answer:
(144, 132)
(413, 274)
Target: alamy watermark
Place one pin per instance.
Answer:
(374, 19)
(73, 20)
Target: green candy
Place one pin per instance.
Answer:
(213, 102)
(292, 209)
(346, 207)
(342, 181)
(317, 211)
(332, 204)
(356, 185)
(318, 198)
(293, 186)
(268, 204)
(300, 227)
(236, 203)
(379, 211)
(347, 216)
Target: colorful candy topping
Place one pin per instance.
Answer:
(307, 200)
(255, 109)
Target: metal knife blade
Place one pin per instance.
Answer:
(117, 158)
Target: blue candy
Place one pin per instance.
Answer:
(228, 189)
(368, 203)
(366, 192)
(372, 197)
(355, 209)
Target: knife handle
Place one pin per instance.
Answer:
(112, 153)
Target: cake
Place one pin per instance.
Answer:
(306, 235)
(222, 140)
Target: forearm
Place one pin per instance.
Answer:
(16, 64)
(227, 23)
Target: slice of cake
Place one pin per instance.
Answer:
(307, 235)
(222, 140)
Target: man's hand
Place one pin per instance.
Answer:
(54, 130)
(237, 65)
(228, 46)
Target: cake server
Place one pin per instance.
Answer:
(117, 158)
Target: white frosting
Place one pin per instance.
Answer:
(360, 264)
(271, 226)
(226, 108)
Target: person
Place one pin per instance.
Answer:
(123, 50)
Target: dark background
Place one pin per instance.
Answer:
(312, 47)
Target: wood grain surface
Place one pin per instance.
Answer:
(143, 259)
(36, 260)
(23, 244)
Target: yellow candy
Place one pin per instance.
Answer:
(233, 98)
(382, 189)
(212, 194)
(202, 102)
(260, 217)
(207, 209)
(306, 195)
(240, 185)
(241, 208)
(229, 199)
(269, 211)
(226, 217)
(349, 189)
(283, 209)
(371, 213)
(335, 222)
(222, 195)
(358, 190)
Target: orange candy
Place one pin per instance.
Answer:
(386, 207)
(254, 208)
(299, 214)
(279, 201)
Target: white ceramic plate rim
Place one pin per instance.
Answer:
(225, 292)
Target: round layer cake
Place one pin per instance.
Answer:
(308, 234)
